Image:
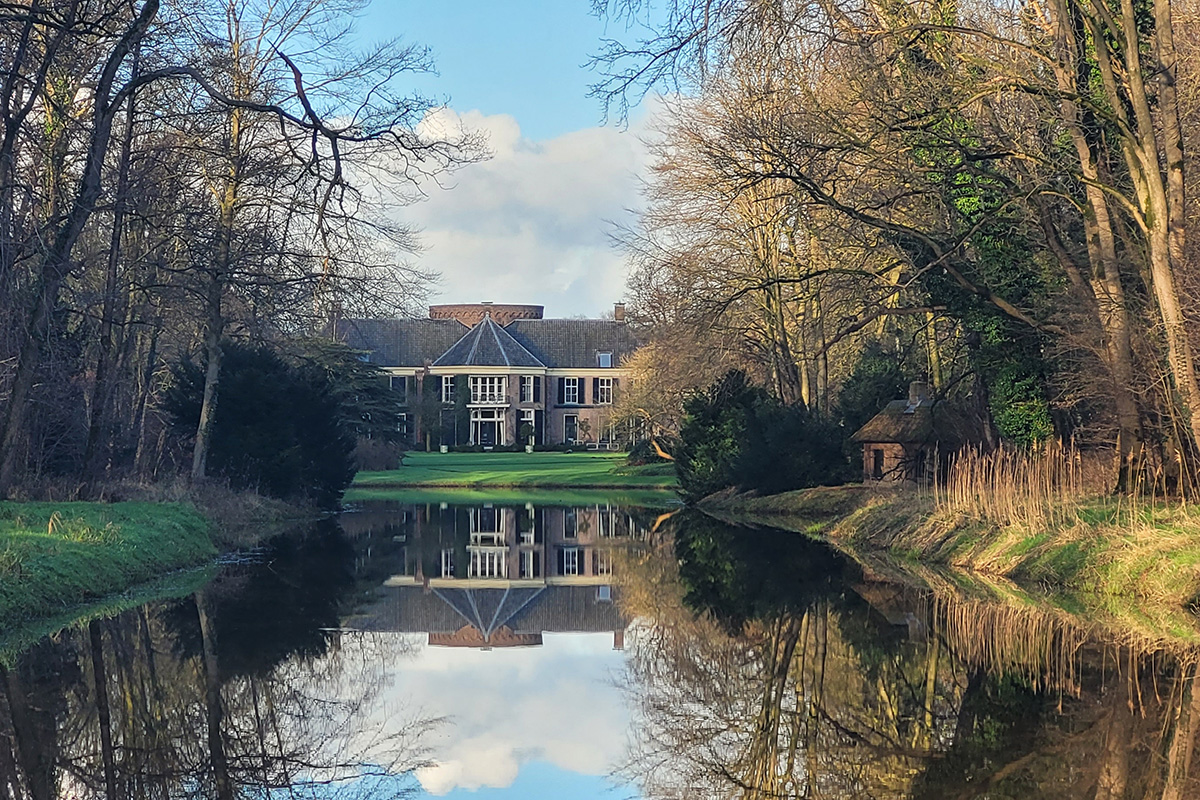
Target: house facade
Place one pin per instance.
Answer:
(495, 375)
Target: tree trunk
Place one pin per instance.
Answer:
(100, 685)
(213, 704)
(95, 458)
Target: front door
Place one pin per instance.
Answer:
(570, 428)
(487, 433)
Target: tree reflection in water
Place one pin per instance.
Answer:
(244, 689)
(765, 665)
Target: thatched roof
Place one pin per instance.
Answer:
(926, 422)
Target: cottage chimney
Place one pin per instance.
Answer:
(619, 312)
(918, 392)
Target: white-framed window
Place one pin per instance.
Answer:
(528, 567)
(604, 392)
(604, 562)
(604, 360)
(604, 520)
(487, 520)
(447, 388)
(572, 561)
(571, 390)
(570, 523)
(526, 388)
(448, 563)
(528, 417)
(399, 386)
(488, 389)
(402, 424)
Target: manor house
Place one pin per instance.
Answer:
(491, 374)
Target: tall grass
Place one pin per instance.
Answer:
(1032, 488)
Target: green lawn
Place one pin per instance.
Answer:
(512, 495)
(535, 470)
(58, 556)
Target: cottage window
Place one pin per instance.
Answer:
(571, 390)
(488, 389)
(447, 388)
(877, 464)
(604, 391)
(604, 360)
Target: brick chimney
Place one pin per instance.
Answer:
(918, 391)
(619, 312)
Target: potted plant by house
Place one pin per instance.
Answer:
(525, 433)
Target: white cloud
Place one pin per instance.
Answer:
(532, 223)
(508, 707)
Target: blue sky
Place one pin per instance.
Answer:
(533, 223)
(518, 57)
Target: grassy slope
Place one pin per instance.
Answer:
(540, 470)
(59, 556)
(1136, 568)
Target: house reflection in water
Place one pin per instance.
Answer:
(500, 576)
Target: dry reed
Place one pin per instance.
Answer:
(1033, 488)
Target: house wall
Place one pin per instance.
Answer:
(894, 460)
(596, 417)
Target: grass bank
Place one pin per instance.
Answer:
(65, 562)
(526, 470)
(58, 557)
(1132, 564)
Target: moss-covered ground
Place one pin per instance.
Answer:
(58, 558)
(543, 470)
(1135, 565)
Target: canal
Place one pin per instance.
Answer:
(591, 650)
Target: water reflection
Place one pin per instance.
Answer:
(409, 650)
(500, 575)
(771, 667)
(233, 692)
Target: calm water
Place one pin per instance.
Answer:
(514, 651)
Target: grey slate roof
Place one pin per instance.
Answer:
(553, 343)
(401, 342)
(487, 345)
(573, 343)
(412, 609)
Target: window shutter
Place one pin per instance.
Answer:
(539, 427)
(562, 390)
(595, 389)
(537, 389)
